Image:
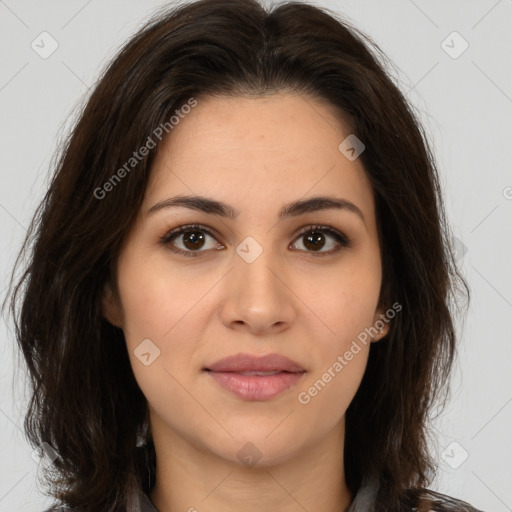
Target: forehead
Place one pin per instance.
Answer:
(281, 147)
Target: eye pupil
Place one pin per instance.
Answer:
(195, 238)
(313, 239)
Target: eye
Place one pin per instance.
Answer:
(194, 237)
(315, 240)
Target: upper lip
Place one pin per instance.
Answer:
(249, 362)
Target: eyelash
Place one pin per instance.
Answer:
(342, 239)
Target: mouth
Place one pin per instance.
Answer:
(252, 363)
(256, 378)
(256, 386)
(260, 373)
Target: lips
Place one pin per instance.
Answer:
(256, 378)
(248, 363)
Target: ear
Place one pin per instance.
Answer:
(381, 325)
(110, 307)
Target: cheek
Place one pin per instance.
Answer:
(346, 303)
(340, 357)
(157, 298)
(332, 385)
(343, 300)
(166, 305)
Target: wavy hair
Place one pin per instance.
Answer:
(85, 401)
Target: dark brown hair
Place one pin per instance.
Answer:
(86, 403)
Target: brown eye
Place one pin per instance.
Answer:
(314, 241)
(315, 238)
(193, 239)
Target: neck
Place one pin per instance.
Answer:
(191, 478)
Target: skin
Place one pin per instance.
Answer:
(255, 154)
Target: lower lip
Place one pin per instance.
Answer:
(256, 387)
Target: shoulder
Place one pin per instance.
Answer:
(427, 500)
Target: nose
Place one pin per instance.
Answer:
(257, 297)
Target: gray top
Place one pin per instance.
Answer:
(147, 504)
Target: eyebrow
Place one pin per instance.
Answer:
(294, 209)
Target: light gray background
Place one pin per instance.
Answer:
(466, 105)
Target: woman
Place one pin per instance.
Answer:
(239, 292)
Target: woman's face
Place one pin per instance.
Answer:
(251, 284)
